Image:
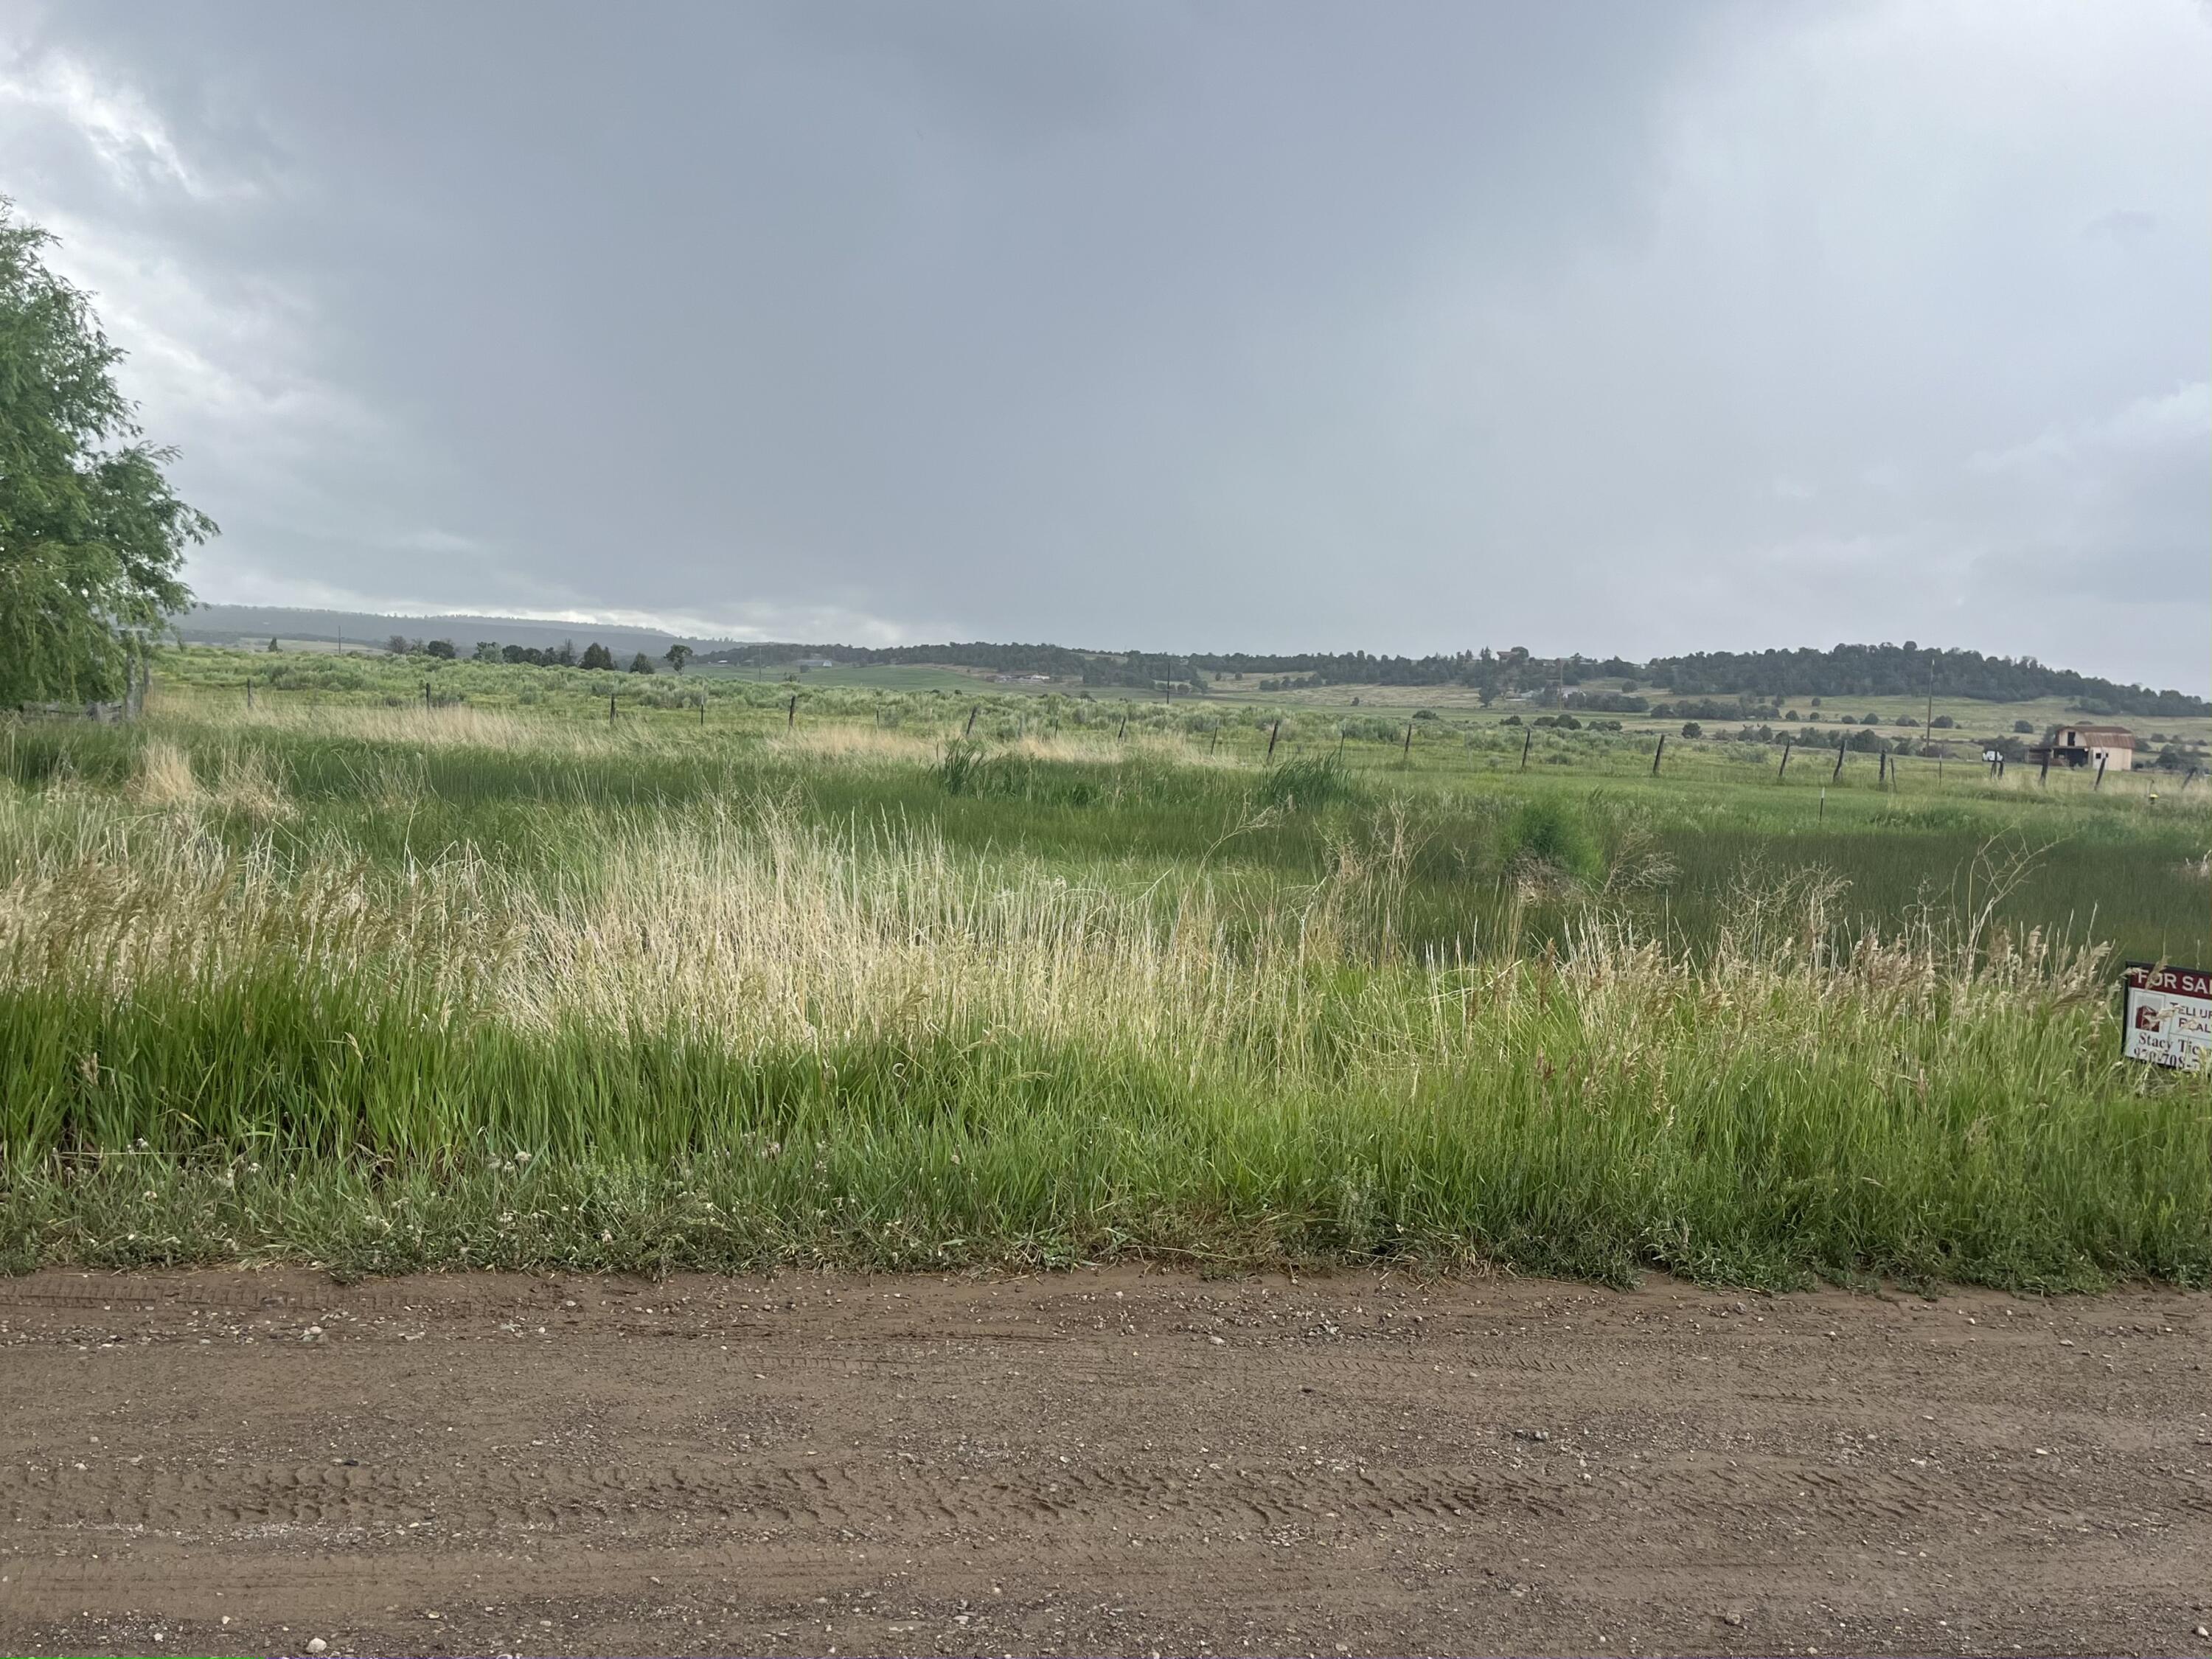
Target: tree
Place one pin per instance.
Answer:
(397, 645)
(597, 656)
(488, 651)
(92, 537)
(678, 655)
(272, 641)
(443, 648)
(1692, 729)
(2023, 725)
(641, 664)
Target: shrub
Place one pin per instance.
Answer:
(1312, 781)
(1549, 832)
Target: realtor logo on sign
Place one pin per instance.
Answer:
(2167, 1020)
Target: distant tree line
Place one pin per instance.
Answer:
(1756, 681)
(1904, 671)
(564, 655)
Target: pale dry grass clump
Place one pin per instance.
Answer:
(844, 741)
(458, 726)
(163, 776)
(244, 780)
(758, 932)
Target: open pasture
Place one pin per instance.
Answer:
(413, 966)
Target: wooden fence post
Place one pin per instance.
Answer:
(426, 693)
(791, 714)
(1842, 750)
(1123, 730)
(1409, 740)
(2099, 783)
(610, 708)
(972, 712)
(249, 691)
(1785, 767)
(1655, 753)
(1276, 732)
(1527, 736)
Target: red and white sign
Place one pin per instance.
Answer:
(2168, 1016)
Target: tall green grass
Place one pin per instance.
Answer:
(422, 990)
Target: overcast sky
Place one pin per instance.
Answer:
(1636, 328)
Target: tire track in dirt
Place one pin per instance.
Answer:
(1093, 1462)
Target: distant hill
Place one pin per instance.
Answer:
(1756, 678)
(256, 624)
(1762, 676)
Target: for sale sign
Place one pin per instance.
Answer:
(2168, 1016)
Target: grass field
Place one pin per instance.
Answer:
(464, 964)
(1972, 718)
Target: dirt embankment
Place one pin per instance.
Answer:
(1111, 1462)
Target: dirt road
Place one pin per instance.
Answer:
(1111, 1462)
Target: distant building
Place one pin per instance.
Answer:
(2112, 747)
(816, 662)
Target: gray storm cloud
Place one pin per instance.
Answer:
(1626, 329)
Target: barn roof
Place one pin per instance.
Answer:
(2104, 736)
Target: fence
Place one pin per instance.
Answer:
(128, 708)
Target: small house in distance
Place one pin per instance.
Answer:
(816, 662)
(2112, 747)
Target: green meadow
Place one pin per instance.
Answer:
(414, 963)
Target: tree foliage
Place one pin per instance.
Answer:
(1754, 680)
(92, 537)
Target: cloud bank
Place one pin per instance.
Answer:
(1619, 328)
